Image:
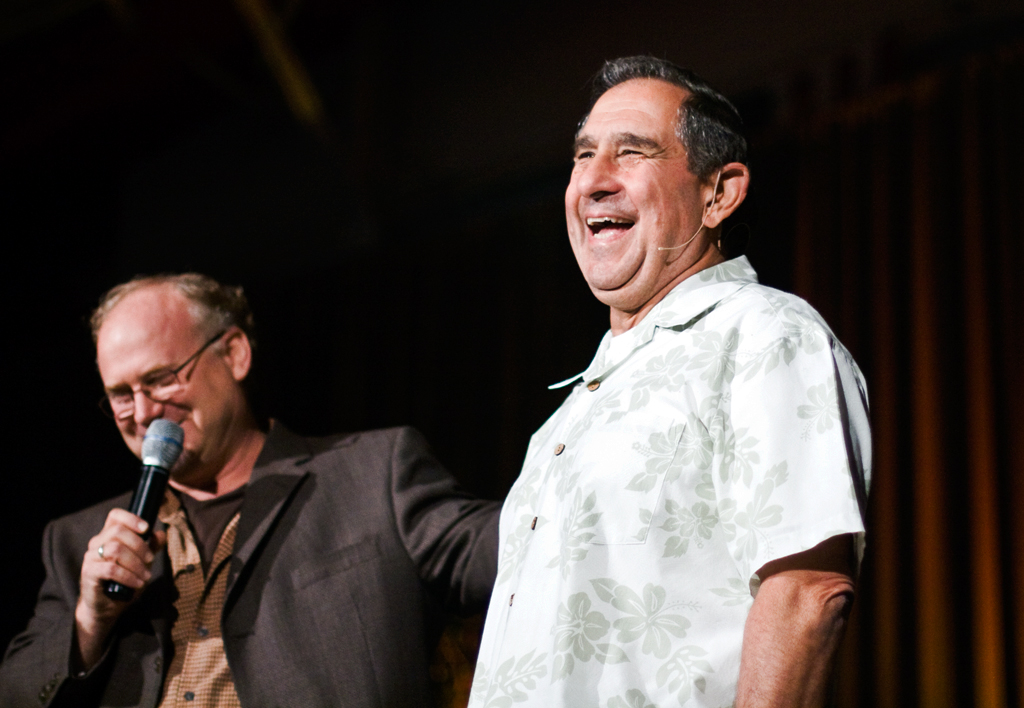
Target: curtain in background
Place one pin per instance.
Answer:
(910, 241)
(900, 217)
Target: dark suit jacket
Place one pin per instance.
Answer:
(346, 549)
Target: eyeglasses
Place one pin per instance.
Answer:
(159, 386)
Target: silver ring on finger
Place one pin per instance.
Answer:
(100, 552)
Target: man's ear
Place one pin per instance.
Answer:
(237, 353)
(732, 190)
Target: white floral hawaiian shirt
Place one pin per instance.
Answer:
(727, 429)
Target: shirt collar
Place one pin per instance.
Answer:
(685, 303)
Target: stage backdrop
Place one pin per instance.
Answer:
(909, 212)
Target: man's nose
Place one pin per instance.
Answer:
(146, 409)
(598, 178)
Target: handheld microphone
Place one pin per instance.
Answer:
(160, 450)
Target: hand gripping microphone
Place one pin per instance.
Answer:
(160, 450)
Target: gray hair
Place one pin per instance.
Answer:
(708, 126)
(214, 307)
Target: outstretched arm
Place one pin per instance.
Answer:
(450, 535)
(794, 628)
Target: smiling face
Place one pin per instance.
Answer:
(632, 193)
(153, 330)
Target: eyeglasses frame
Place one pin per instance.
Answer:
(107, 407)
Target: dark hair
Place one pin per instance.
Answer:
(213, 306)
(708, 126)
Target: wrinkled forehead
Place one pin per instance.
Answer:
(651, 104)
(148, 328)
(158, 307)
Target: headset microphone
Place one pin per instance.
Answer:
(704, 215)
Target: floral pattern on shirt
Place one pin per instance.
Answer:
(631, 542)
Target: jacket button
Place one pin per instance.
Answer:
(533, 524)
(559, 448)
(594, 385)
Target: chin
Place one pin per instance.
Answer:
(607, 283)
(614, 288)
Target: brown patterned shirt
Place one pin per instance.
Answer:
(198, 676)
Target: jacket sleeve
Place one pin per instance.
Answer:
(451, 536)
(36, 669)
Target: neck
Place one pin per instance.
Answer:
(622, 321)
(234, 472)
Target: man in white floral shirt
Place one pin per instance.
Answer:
(687, 526)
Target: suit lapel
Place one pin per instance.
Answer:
(278, 472)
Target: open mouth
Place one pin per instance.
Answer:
(606, 226)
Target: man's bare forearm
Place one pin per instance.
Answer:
(793, 632)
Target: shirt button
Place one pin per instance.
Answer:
(533, 525)
(510, 599)
(203, 632)
(594, 385)
(189, 696)
(559, 448)
(190, 568)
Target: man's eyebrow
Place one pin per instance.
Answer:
(150, 374)
(637, 141)
(583, 142)
(586, 142)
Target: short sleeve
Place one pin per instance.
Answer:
(792, 449)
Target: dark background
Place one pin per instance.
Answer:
(403, 246)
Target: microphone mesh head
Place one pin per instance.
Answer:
(162, 444)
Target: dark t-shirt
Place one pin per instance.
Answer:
(208, 519)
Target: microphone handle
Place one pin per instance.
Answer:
(146, 501)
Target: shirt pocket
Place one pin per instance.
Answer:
(619, 473)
